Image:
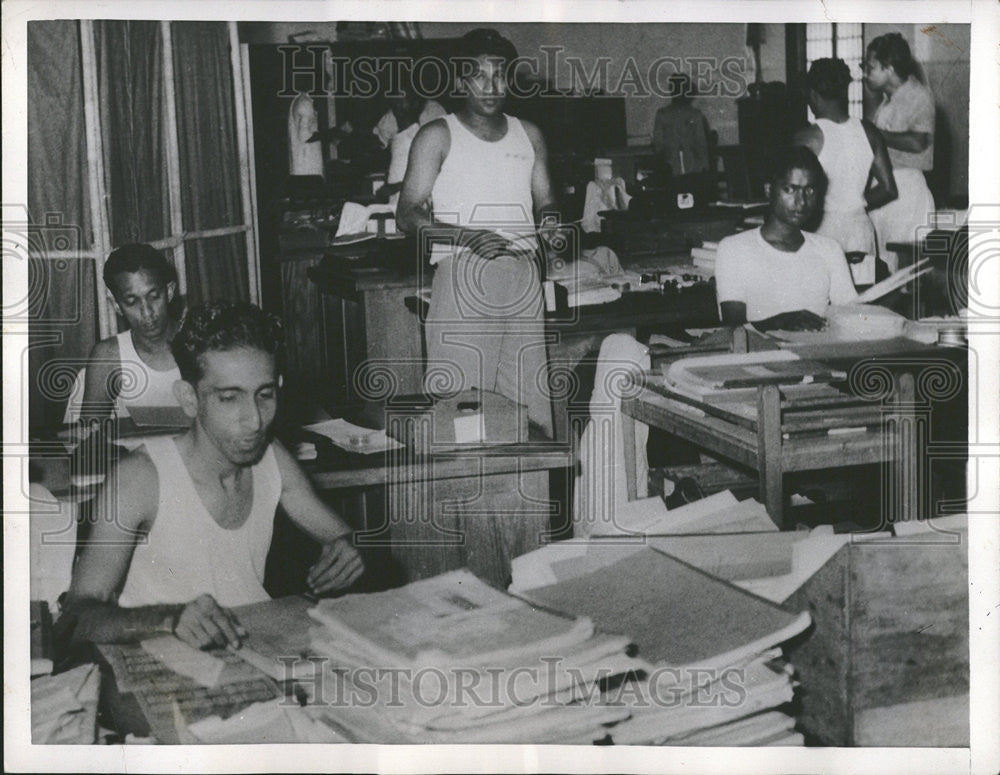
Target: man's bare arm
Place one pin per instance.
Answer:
(912, 142)
(102, 363)
(413, 212)
(881, 171)
(427, 153)
(125, 510)
(340, 564)
(122, 511)
(542, 198)
(811, 137)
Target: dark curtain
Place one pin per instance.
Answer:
(130, 75)
(61, 303)
(210, 175)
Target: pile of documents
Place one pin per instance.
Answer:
(704, 257)
(713, 673)
(450, 659)
(64, 707)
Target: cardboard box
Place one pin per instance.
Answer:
(886, 662)
(468, 419)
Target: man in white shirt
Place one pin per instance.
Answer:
(182, 525)
(388, 126)
(778, 276)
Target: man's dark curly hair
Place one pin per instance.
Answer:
(137, 257)
(486, 42)
(222, 326)
(892, 50)
(829, 78)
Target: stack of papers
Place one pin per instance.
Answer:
(719, 523)
(452, 660)
(709, 651)
(704, 257)
(274, 721)
(586, 292)
(354, 438)
(64, 707)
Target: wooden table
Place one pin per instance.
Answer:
(434, 510)
(784, 434)
(635, 234)
(575, 334)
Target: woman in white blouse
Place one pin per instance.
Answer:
(905, 117)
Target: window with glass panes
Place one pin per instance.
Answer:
(842, 41)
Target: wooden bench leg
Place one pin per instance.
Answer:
(628, 449)
(904, 502)
(769, 465)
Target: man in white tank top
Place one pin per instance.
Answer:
(183, 525)
(476, 185)
(136, 367)
(853, 156)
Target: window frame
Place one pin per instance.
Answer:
(101, 244)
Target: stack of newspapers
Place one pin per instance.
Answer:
(704, 257)
(450, 659)
(712, 667)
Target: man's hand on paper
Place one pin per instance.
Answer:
(485, 243)
(339, 565)
(204, 623)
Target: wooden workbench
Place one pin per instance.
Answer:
(889, 394)
(373, 326)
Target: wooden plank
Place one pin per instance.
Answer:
(655, 384)
(822, 656)
(719, 436)
(941, 722)
(890, 628)
(811, 453)
(479, 522)
(99, 219)
(379, 472)
(396, 344)
(629, 454)
(173, 155)
(849, 417)
(769, 458)
(910, 620)
(244, 146)
(306, 365)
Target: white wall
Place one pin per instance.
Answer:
(643, 44)
(943, 50)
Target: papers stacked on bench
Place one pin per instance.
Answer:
(64, 707)
(704, 257)
(449, 659)
(712, 667)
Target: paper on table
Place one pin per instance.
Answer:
(808, 556)
(64, 706)
(667, 340)
(354, 438)
(639, 516)
(354, 218)
(186, 660)
(274, 721)
(691, 512)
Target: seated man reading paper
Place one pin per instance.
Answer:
(141, 284)
(779, 276)
(183, 524)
